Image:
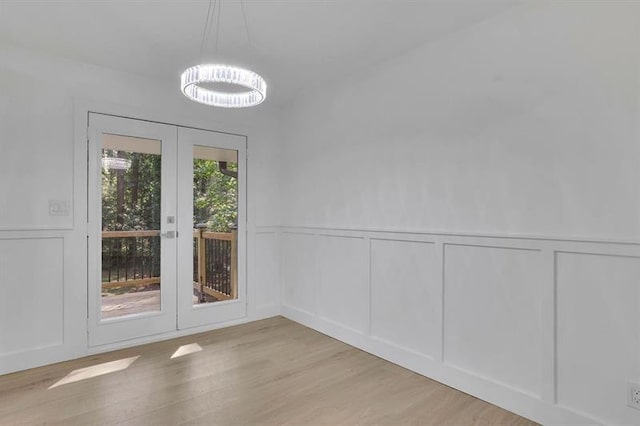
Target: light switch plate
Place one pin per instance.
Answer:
(59, 207)
(633, 394)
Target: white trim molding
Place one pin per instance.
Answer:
(480, 313)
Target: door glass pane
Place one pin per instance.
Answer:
(131, 252)
(215, 218)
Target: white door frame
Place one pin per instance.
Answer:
(194, 318)
(76, 309)
(105, 331)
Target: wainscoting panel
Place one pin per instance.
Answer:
(406, 295)
(31, 276)
(598, 341)
(492, 313)
(265, 279)
(546, 328)
(300, 271)
(342, 281)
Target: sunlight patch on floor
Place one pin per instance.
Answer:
(186, 350)
(95, 371)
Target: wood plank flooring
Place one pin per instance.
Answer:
(270, 372)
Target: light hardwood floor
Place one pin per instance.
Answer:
(267, 372)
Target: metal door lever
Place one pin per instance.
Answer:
(169, 234)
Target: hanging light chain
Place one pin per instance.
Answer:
(218, 25)
(211, 15)
(206, 27)
(246, 26)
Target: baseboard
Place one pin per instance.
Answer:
(259, 315)
(265, 311)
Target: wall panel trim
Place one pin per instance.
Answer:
(539, 406)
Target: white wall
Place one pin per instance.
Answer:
(527, 124)
(471, 210)
(42, 278)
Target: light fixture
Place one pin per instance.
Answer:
(252, 87)
(215, 73)
(114, 163)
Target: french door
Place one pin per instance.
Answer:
(166, 228)
(210, 264)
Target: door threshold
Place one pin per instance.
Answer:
(92, 350)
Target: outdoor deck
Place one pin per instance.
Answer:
(131, 270)
(117, 305)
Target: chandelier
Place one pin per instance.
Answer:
(115, 163)
(255, 93)
(250, 87)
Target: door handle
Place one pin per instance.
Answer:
(169, 234)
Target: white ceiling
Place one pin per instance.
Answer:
(293, 43)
